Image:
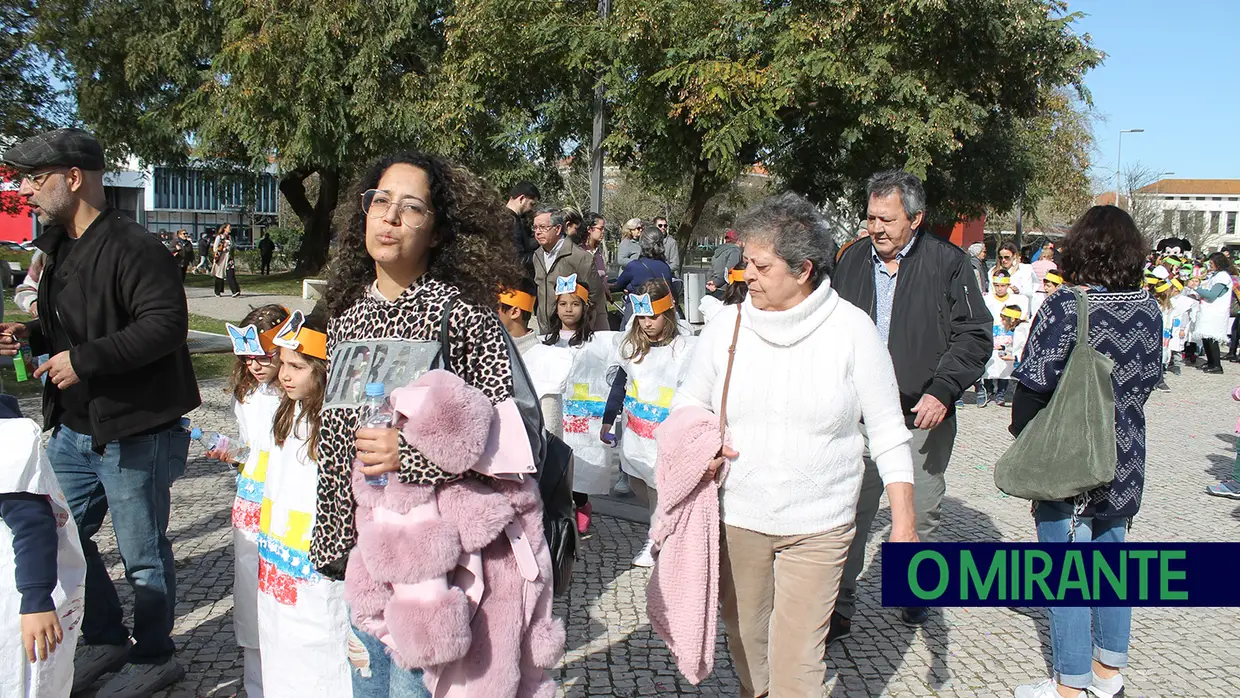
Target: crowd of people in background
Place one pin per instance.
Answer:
(386, 557)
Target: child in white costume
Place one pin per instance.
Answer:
(256, 395)
(1010, 333)
(40, 615)
(588, 356)
(651, 361)
(303, 624)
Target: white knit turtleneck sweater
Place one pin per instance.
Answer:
(803, 380)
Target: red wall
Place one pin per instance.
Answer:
(14, 227)
(963, 233)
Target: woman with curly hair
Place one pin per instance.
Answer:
(1101, 258)
(425, 238)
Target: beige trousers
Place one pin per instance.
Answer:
(778, 593)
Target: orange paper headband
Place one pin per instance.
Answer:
(583, 293)
(1054, 278)
(293, 335)
(1013, 313)
(736, 276)
(518, 299)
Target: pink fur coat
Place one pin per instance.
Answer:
(456, 579)
(682, 598)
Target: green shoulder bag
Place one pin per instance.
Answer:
(1069, 447)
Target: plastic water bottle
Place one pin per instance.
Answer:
(215, 441)
(376, 414)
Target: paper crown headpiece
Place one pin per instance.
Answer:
(568, 284)
(1054, 278)
(1012, 312)
(518, 299)
(294, 335)
(644, 307)
(1179, 286)
(736, 276)
(1163, 287)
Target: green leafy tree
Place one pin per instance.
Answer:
(314, 87)
(822, 92)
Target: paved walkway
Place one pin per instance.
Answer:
(202, 301)
(962, 652)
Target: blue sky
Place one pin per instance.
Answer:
(1173, 69)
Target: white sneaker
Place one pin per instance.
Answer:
(1106, 688)
(646, 557)
(1047, 688)
(622, 487)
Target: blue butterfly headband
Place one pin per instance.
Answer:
(245, 340)
(568, 284)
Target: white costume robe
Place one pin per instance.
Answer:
(1215, 318)
(647, 402)
(303, 624)
(24, 468)
(585, 398)
(255, 417)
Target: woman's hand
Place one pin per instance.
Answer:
(379, 450)
(712, 470)
(40, 634)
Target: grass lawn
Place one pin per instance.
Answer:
(205, 365)
(286, 284)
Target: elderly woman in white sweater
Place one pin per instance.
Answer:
(809, 368)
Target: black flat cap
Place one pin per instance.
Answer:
(64, 147)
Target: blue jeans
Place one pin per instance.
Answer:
(379, 677)
(1077, 631)
(132, 478)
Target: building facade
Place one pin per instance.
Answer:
(168, 199)
(1204, 211)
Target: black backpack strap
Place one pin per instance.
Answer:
(442, 360)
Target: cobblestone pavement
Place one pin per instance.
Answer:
(961, 652)
(202, 301)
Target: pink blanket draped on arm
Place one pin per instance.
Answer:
(682, 598)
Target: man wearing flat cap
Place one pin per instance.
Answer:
(113, 318)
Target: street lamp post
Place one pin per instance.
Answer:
(1119, 151)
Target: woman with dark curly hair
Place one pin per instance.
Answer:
(424, 238)
(1103, 255)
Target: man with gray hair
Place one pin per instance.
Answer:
(977, 255)
(557, 256)
(924, 298)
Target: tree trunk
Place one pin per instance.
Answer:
(316, 218)
(700, 192)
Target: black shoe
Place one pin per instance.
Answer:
(1233, 359)
(914, 616)
(1162, 385)
(1213, 369)
(839, 629)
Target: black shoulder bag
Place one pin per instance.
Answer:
(553, 460)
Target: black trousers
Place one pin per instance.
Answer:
(1235, 339)
(1212, 353)
(231, 278)
(266, 265)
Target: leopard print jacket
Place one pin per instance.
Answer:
(476, 352)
